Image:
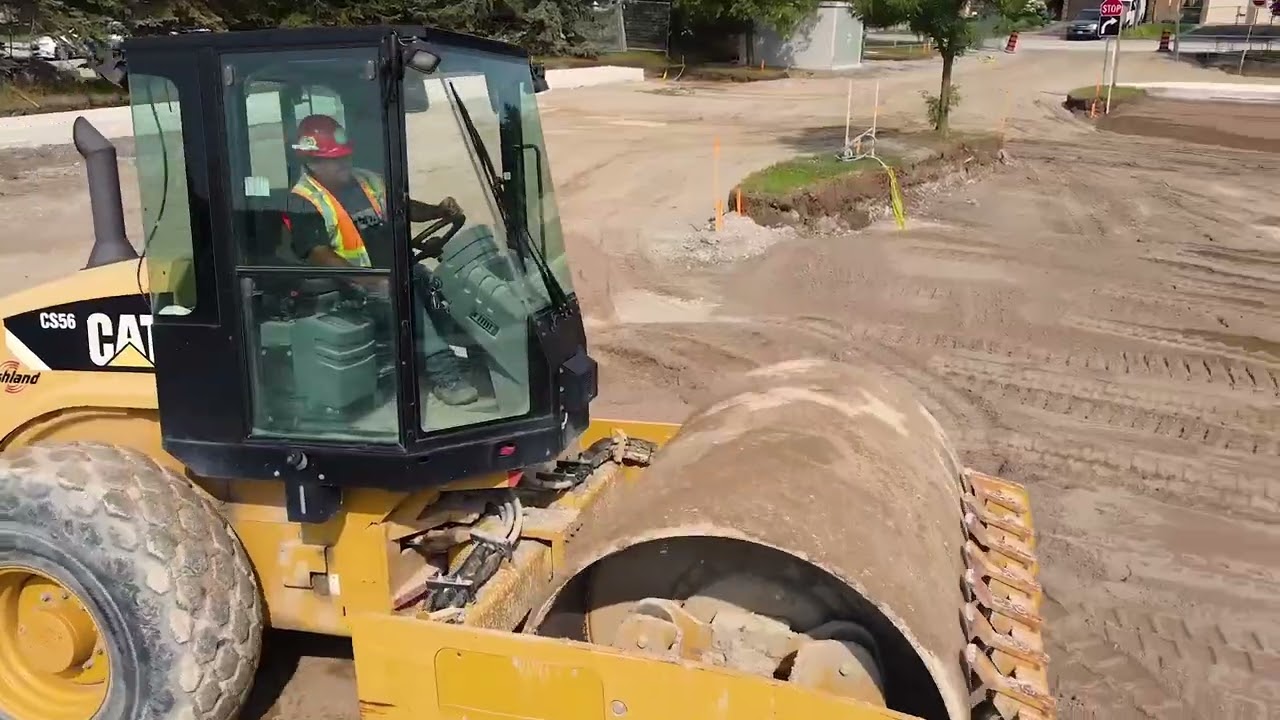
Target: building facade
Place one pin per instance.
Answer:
(830, 39)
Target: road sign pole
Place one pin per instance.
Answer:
(1106, 107)
(1115, 72)
(1111, 15)
(1106, 66)
(1248, 39)
(1177, 28)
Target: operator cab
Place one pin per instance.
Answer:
(270, 365)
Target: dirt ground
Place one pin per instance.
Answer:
(1097, 318)
(1251, 126)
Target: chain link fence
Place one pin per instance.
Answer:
(623, 25)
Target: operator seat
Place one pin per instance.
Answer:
(311, 354)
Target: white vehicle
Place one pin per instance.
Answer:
(46, 47)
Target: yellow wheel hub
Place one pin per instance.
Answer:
(53, 660)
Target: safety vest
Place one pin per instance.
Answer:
(344, 238)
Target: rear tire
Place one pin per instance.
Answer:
(168, 584)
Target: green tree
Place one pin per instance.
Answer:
(82, 17)
(952, 25)
(540, 26)
(781, 15)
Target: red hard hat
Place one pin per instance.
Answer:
(320, 136)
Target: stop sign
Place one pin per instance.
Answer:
(1111, 8)
(1259, 3)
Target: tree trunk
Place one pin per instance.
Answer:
(944, 93)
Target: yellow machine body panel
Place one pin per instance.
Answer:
(452, 674)
(36, 360)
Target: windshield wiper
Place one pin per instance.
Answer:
(559, 300)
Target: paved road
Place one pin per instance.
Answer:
(1032, 41)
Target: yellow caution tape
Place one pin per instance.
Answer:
(895, 195)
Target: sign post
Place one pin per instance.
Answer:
(1177, 30)
(1110, 17)
(1248, 38)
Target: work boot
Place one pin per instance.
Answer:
(448, 381)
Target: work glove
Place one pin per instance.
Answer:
(450, 207)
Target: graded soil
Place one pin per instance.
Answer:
(1249, 126)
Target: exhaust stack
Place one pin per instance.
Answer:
(110, 242)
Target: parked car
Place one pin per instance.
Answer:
(1084, 26)
(58, 47)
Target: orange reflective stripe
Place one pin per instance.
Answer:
(351, 240)
(328, 205)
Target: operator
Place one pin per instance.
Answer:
(344, 216)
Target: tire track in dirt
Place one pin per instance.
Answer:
(1202, 369)
(1207, 299)
(1244, 430)
(1150, 661)
(1205, 343)
(1223, 473)
(1230, 276)
(1188, 608)
(1186, 594)
(1204, 481)
(1105, 681)
(1237, 654)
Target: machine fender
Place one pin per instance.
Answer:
(75, 396)
(410, 669)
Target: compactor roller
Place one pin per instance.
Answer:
(815, 526)
(327, 398)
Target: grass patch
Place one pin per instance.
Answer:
(22, 99)
(1004, 26)
(633, 58)
(1080, 98)
(807, 189)
(1120, 93)
(1150, 31)
(788, 176)
(727, 73)
(898, 52)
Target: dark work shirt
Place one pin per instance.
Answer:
(309, 231)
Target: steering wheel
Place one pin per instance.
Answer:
(424, 246)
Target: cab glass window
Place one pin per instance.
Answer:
(162, 186)
(475, 282)
(306, 148)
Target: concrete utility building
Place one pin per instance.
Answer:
(830, 39)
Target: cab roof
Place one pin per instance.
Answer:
(282, 38)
